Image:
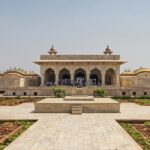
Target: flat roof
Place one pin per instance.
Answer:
(79, 57)
(80, 61)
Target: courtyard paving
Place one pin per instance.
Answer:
(97, 131)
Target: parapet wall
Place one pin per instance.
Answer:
(80, 57)
(47, 91)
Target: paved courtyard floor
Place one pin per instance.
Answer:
(97, 131)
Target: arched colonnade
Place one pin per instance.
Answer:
(80, 77)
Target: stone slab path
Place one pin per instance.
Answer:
(97, 131)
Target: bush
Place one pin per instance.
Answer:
(144, 97)
(100, 93)
(129, 97)
(59, 92)
(122, 97)
(18, 97)
(147, 123)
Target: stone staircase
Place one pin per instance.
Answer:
(77, 109)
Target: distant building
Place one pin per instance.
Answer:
(137, 78)
(14, 78)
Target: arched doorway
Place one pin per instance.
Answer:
(49, 77)
(110, 77)
(64, 77)
(80, 77)
(95, 77)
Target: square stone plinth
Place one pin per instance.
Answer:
(59, 105)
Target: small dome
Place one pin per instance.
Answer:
(52, 51)
(127, 72)
(141, 70)
(108, 51)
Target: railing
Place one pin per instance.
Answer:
(80, 57)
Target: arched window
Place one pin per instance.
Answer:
(110, 77)
(49, 77)
(64, 77)
(95, 77)
(80, 76)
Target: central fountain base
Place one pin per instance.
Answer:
(79, 98)
(84, 105)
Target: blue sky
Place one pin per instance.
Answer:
(28, 28)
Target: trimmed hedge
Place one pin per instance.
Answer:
(100, 92)
(58, 92)
(129, 97)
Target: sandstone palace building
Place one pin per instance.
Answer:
(80, 69)
(78, 74)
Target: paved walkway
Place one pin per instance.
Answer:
(74, 132)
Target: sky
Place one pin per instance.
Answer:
(28, 28)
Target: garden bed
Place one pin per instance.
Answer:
(11, 101)
(143, 102)
(139, 130)
(10, 130)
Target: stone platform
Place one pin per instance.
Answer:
(79, 98)
(59, 105)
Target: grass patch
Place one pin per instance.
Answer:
(24, 124)
(11, 101)
(138, 100)
(129, 97)
(137, 136)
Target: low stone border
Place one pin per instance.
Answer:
(132, 120)
(10, 134)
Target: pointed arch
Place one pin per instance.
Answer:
(49, 77)
(64, 77)
(95, 77)
(110, 77)
(80, 76)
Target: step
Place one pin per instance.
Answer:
(77, 109)
(77, 112)
(76, 106)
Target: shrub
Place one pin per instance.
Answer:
(59, 92)
(147, 123)
(129, 97)
(122, 97)
(144, 97)
(100, 93)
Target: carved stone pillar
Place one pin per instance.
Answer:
(118, 76)
(87, 78)
(42, 80)
(42, 71)
(103, 78)
(72, 76)
(56, 77)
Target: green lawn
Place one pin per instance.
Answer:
(11, 101)
(137, 136)
(138, 100)
(25, 124)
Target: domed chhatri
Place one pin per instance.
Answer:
(141, 70)
(127, 72)
(108, 51)
(52, 51)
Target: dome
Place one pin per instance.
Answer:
(141, 70)
(108, 51)
(52, 51)
(127, 72)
